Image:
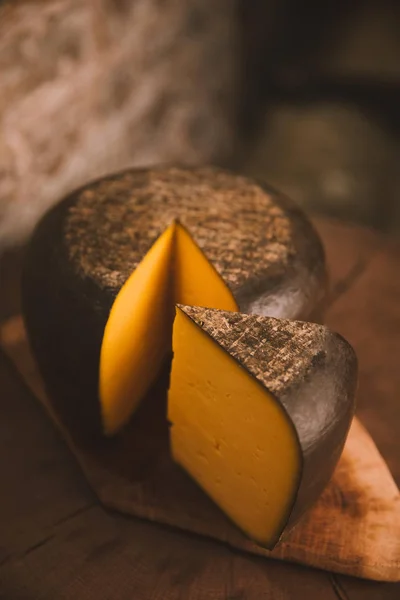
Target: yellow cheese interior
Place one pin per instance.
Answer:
(137, 337)
(231, 435)
(195, 280)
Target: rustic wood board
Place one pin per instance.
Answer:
(353, 529)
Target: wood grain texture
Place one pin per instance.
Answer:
(91, 554)
(369, 317)
(348, 249)
(147, 561)
(354, 528)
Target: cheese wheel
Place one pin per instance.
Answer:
(105, 267)
(260, 410)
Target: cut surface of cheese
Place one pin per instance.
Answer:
(239, 407)
(196, 282)
(137, 336)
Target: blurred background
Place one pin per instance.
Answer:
(304, 95)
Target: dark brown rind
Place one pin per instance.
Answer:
(262, 246)
(65, 318)
(86, 247)
(312, 373)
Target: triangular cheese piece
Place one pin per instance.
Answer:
(259, 411)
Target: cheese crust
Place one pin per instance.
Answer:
(260, 244)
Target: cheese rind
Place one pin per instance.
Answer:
(252, 383)
(261, 245)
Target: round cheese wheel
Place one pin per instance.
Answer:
(86, 248)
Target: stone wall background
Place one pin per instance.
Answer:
(305, 95)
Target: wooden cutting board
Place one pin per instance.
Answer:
(353, 529)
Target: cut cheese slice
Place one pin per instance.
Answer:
(248, 422)
(137, 336)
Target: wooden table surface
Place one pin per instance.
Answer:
(56, 542)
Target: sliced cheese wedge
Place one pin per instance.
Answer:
(259, 410)
(137, 336)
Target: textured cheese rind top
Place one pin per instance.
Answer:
(263, 247)
(310, 370)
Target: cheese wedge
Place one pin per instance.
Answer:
(259, 409)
